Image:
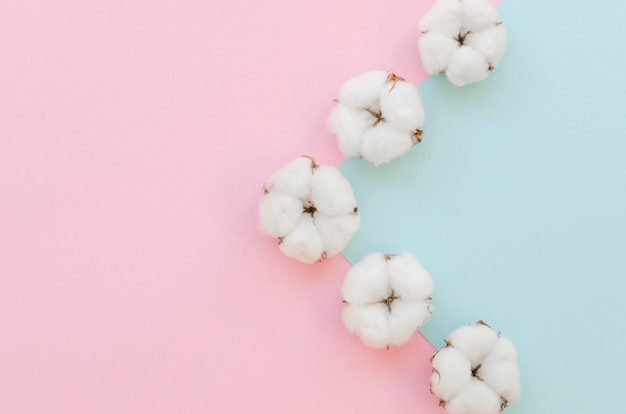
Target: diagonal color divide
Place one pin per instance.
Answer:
(516, 203)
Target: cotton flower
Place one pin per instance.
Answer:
(388, 299)
(476, 372)
(378, 117)
(310, 209)
(464, 39)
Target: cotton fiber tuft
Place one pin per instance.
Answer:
(379, 116)
(463, 39)
(310, 209)
(476, 372)
(388, 299)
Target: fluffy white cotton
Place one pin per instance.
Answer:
(366, 282)
(377, 117)
(478, 15)
(349, 124)
(405, 319)
(336, 231)
(401, 106)
(436, 51)
(467, 66)
(477, 398)
(363, 90)
(407, 275)
(384, 143)
(369, 322)
(445, 16)
(331, 192)
(475, 341)
(452, 373)
(382, 310)
(293, 179)
(279, 213)
(476, 372)
(500, 371)
(310, 209)
(490, 42)
(464, 39)
(304, 242)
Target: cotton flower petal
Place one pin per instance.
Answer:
(467, 66)
(402, 107)
(500, 371)
(407, 275)
(478, 15)
(436, 51)
(477, 398)
(293, 179)
(366, 282)
(304, 242)
(363, 90)
(384, 143)
(405, 319)
(490, 42)
(349, 124)
(279, 213)
(331, 192)
(336, 231)
(452, 373)
(475, 341)
(369, 322)
(445, 16)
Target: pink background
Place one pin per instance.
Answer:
(135, 137)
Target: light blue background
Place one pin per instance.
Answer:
(516, 203)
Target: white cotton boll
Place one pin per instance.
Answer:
(490, 42)
(279, 213)
(349, 124)
(488, 359)
(475, 341)
(369, 322)
(405, 319)
(452, 373)
(468, 49)
(310, 209)
(478, 15)
(402, 107)
(500, 371)
(436, 51)
(293, 179)
(477, 398)
(367, 285)
(336, 231)
(445, 16)
(303, 242)
(331, 192)
(363, 90)
(378, 117)
(384, 143)
(366, 281)
(407, 275)
(467, 66)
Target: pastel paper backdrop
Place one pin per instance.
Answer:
(135, 137)
(516, 203)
